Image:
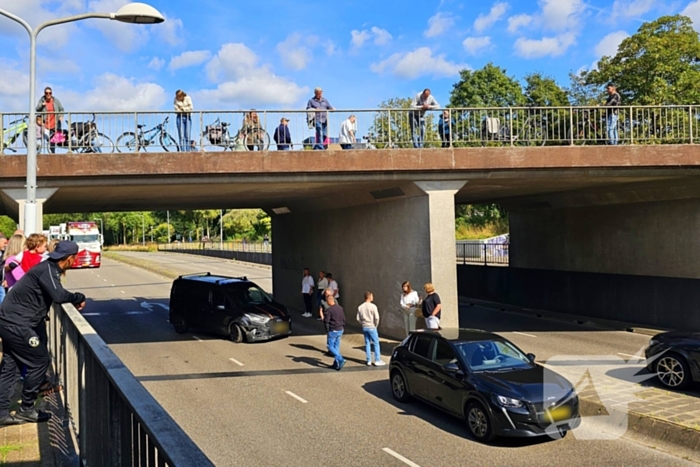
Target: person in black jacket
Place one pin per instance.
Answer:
(334, 319)
(21, 314)
(282, 136)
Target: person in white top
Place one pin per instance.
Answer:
(307, 291)
(320, 289)
(368, 317)
(333, 286)
(409, 302)
(183, 107)
(347, 133)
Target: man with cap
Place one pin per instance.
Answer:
(25, 309)
(282, 136)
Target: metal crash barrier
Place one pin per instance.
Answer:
(114, 418)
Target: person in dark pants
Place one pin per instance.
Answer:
(307, 291)
(334, 319)
(25, 308)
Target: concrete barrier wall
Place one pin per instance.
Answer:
(660, 302)
(247, 256)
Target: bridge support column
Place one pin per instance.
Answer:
(18, 201)
(373, 247)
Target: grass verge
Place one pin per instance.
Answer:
(147, 265)
(7, 449)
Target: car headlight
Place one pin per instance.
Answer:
(507, 401)
(257, 318)
(653, 342)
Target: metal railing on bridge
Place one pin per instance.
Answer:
(485, 254)
(237, 245)
(110, 132)
(115, 419)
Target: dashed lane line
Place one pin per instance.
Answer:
(524, 334)
(197, 338)
(236, 362)
(400, 457)
(290, 393)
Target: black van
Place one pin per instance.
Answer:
(231, 306)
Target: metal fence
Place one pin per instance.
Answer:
(237, 245)
(109, 132)
(483, 253)
(114, 418)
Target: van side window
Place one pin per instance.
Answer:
(217, 297)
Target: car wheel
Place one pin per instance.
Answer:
(673, 371)
(181, 328)
(236, 334)
(479, 423)
(398, 387)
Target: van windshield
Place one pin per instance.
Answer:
(247, 295)
(85, 238)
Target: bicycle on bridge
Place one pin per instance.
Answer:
(218, 134)
(11, 134)
(141, 141)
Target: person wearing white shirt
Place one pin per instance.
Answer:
(183, 107)
(422, 102)
(307, 290)
(321, 285)
(409, 302)
(347, 133)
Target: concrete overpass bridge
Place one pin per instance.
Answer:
(376, 217)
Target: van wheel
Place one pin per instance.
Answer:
(236, 334)
(181, 328)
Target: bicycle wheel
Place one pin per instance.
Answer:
(168, 143)
(261, 141)
(95, 142)
(129, 142)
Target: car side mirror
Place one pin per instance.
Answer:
(452, 368)
(221, 307)
(531, 357)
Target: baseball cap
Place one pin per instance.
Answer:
(64, 249)
(284, 120)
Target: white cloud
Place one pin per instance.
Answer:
(515, 23)
(632, 8)
(419, 62)
(609, 44)
(188, 59)
(483, 22)
(360, 38)
(156, 63)
(439, 24)
(14, 88)
(36, 12)
(243, 82)
(547, 46)
(126, 37)
(692, 10)
(331, 48)
(475, 45)
(293, 53)
(170, 31)
(124, 95)
(560, 15)
(51, 66)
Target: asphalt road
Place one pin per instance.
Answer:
(278, 404)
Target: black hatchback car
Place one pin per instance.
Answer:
(675, 358)
(231, 306)
(485, 380)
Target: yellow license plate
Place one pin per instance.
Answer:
(559, 414)
(280, 328)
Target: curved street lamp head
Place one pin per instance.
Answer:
(138, 13)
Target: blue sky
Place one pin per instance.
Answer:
(272, 53)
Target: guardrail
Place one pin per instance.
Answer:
(483, 253)
(109, 132)
(237, 245)
(115, 419)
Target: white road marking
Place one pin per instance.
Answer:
(123, 291)
(523, 334)
(236, 361)
(400, 457)
(290, 393)
(630, 355)
(197, 338)
(104, 280)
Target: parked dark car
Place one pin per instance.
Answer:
(485, 380)
(231, 306)
(675, 358)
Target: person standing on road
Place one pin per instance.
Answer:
(347, 133)
(3, 244)
(321, 285)
(319, 121)
(12, 258)
(282, 136)
(416, 118)
(333, 287)
(307, 291)
(432, 308)
(24, 309)
(409, 302)
(613, 101)
(334, 319)
(183, 107)
(53, 110)
(368, 317)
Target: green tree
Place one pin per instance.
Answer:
(660, 64)
(395, 127)
(7, 226)
(583, 94)
(489, 86)
(543, 91)
(250, 224)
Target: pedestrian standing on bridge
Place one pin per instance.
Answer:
(368, 317)
(282, 136)
(347, 133)
(24, 309)
(319, 120)
(416, 118)
(613, 101)
(307, 291)
(183, 108)
(432, 308)
(334, 319)
(53, 113)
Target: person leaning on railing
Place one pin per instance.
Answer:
(183, 107)
(416, 118)
(612, 116)
(54, 113)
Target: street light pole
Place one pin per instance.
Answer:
(139, 13)
(221, 229)
(143, 229)
(168, 226)
(102, 227)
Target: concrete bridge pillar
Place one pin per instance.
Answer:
(16, 200)
(375, 247)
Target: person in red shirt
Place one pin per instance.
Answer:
(35, 248)
(53, 113)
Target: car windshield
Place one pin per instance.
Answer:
(85, 238)
(243, 295)
(492, 356)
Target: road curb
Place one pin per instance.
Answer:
(564, 317)
(659, 434)
(143, 264)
